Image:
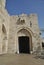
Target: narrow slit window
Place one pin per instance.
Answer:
(30, 24)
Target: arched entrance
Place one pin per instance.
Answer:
(24, 41)
(24, 46)
(4, 39)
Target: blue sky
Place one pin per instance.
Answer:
(16, 7)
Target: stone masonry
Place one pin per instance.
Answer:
(15, 26)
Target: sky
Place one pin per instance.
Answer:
(16, 7)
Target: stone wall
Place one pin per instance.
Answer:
(4, 22)
(30, 24)
(11, 27)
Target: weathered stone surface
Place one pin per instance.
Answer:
(15, 26)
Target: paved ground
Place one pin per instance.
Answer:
(20, 59)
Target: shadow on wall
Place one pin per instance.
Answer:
(4, 40)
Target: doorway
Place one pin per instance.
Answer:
(24, 46)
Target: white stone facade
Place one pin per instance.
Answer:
(13, 27)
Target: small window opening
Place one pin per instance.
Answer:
(30, 24)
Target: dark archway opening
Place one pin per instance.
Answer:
(24, 46)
